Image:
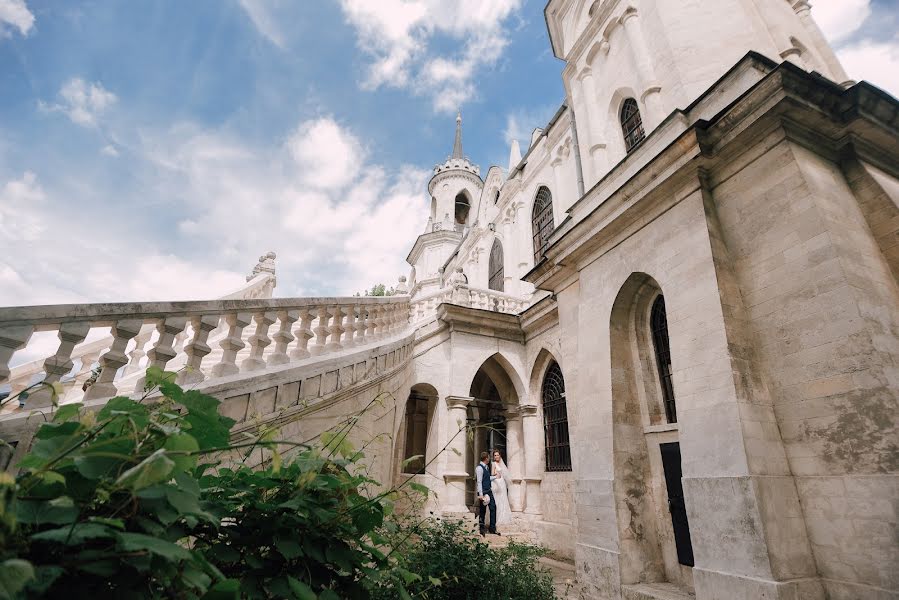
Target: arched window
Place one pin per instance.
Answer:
(631, 124)
(495, 279)
(496, 197)
(658, 322)
(462, 208)
(542, 220)
(555, 420)
(416, 433)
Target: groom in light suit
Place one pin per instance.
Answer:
(483, 479)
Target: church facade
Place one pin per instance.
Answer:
(677, 313)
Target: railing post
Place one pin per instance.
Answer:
(258, 342)
(163, 350)
(231, 344)
(84, 372)
(140, 343)
(349, 340)
(113, 359)
(12, 339)
(321, 332)
(283, 337)
(371, 313)
(70, 335)
(303, 335)
(197, 349)
(336, 329)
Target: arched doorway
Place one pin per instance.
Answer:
(416, 429)
(493, 394)
(653, 532)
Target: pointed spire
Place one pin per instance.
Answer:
(514, 155)
(457, 145)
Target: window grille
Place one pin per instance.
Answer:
(659, 324)
(496, 276)
(542, 220)
(631, 124)
(555, 420)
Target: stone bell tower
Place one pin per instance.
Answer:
(455, 190)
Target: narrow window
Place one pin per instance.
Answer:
(555, 420)
(496, 197)
(659, 323)
(631, 124)
(416, 433)
(495, 280)
(542, 220)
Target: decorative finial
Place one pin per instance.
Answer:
(459, 116)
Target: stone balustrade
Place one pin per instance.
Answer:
(180, 335)
(425, 306)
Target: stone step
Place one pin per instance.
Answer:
(655, 591)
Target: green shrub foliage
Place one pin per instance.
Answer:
(454, 564)
(153, 499)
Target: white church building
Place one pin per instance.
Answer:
(676, 313)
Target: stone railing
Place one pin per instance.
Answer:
(178, 335)
(425, 306)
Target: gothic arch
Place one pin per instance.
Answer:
(543, 219)
(496, 267)
(613, 121)
(417, 429)
(507, 367)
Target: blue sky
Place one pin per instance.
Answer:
(153, 150)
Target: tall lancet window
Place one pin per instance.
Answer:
(555, 420)
(462, 208)
(631, 124)
(496, 277)
(542, 220)
(658, 321)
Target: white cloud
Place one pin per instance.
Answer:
(520, 124)
(19, 199)
(839, 19)
(399, 35)
(261, 14)
(327, 154)
(109, 150)
(15, 14)
(82, 102)
(876, 62)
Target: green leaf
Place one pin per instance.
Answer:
(404, 595)
(210, 429)
(328, 595)
(435, 582)
(154, 469)
(75, 535)
(131, 542)
(14, 575)
(300, 589)
(411, 460)
(58, 511)
(408, 576)
(156, 377)
(67, 411)
(421, 489)
(182, 442)
(288, 548)
(229, 589)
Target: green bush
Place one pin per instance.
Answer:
(468, 568)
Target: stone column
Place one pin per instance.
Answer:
(649, 88)
(456, 474)
(514, 457)
(581, 102)
(534, 459)
(837, 72)
(594, 143)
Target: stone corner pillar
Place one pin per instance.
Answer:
(456, 475)
(514, 458)
(534, 459)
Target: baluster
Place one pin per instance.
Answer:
(394, 324)
(283, 337)
(378, 321)
(178, 346)
(349, 340)
(258, 342)
(321, 332)
(360, 326)
(231, 344)
(371, 312)
(197, 349)
(163, 350)
(12, 339)
(336, 329)
(140, 343)
(84, 372)
(114, 358)
(70, 335)
(303, 335)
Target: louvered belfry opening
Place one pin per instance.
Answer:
(555, 420)
(542, 220)
(631, 124)
(658, 322)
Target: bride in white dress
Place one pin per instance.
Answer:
(500, 489)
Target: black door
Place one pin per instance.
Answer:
(676, 506)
